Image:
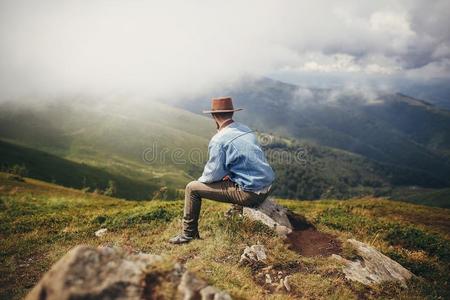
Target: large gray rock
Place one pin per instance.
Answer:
(95, 273)
(105, 273)
(373, 267)
(271, 214)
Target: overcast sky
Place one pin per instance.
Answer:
(166, 49)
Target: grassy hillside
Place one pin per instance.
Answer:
(39, 222)
(51, 168)
(146, 143)
(309, 171)
(432, 197)
(86, 128)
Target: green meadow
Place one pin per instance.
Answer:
(40, 222)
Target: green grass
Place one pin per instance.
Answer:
(39, 222)
(51, 168)
(430, 197)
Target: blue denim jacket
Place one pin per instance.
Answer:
(235, 151)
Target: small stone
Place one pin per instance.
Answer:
(286, 283)
(252, 254)
(101, 232)
(268, 278)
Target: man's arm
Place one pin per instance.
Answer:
(215, 167)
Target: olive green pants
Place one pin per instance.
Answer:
(223, 191)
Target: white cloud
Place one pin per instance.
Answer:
(395, 24)
(335, 63)
(174, 49)
(344, 63)
(377, 69)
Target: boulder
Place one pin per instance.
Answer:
(373, 267)
(106, 273)
(95, 273)
(271, 214)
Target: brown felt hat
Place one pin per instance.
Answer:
(221, 105)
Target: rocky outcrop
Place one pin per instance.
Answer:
(95, 273)
(271, 214)
(110, 273)
(373, 267)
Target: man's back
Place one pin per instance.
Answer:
(243, 158)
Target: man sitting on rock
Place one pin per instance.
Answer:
(237, 171)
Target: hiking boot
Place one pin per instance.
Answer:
(183, 238)
(235, 210)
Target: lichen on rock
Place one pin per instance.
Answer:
(372, 267)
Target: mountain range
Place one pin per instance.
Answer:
(352, 142)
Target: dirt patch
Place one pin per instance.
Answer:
(308, 241)
(305, 240)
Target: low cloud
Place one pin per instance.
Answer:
(356, 94)
(176, 49)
